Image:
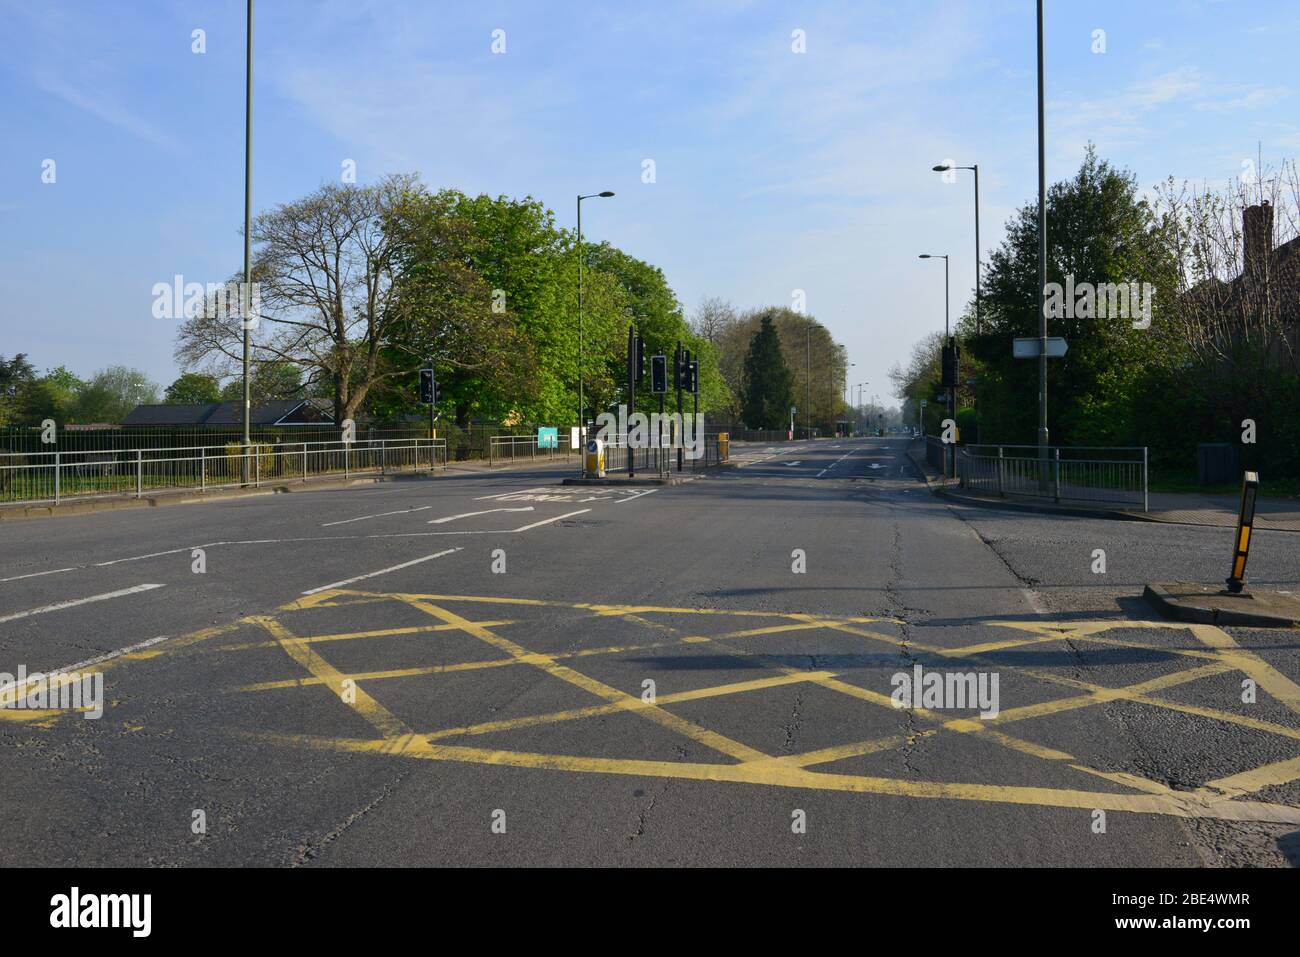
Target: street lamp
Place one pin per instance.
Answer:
(246, 294)
(947, 338)
(1042, 268)
(581, 404)
(943, 168)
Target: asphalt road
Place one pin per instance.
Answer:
(492, 668)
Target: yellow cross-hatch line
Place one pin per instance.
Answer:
(1216, 653)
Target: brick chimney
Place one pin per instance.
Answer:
(1257, 239)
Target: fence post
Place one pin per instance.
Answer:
(491, 452)
(1001, 456)
(203, 469)
(139, 472)
(347, 446)
(383, 455)
(1144, 478)
(257, 466)
(1056, 480)
(56, 478)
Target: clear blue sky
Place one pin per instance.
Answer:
(776, 171)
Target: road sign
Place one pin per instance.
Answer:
(924, 403)
(1029, 348)
(548, 438)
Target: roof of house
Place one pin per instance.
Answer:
(272, 412)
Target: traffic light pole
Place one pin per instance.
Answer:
(631, 397)
(677, 366)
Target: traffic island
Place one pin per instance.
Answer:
(1215, 605)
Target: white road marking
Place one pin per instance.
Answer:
(382, 571)
(1034, 601)
(88, 663)
(526, 491)
(649, 491)
(55, 571)
(78, 601)
(362, 518)
(489, 511)
(793, 464)
(140, 558)
(549, 520)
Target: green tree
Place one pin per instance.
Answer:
(1099, 231)
(767, 393)
(15, 373)
(112, 393)
(192, 388)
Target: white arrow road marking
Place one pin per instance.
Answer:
(508, 494)
(78, 601)
(382, 571)
(635, 495)
(793, 464)
(547, 521)
(362, 518)
(488, 511)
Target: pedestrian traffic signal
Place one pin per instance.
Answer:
(428, 387)
(659, 374)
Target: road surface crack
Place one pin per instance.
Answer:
(310, 851)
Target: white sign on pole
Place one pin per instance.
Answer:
(1029, 348)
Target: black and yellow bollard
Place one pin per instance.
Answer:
(1245, 525)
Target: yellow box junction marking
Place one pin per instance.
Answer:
(1222, 799)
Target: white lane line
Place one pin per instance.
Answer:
(362, 518)
(140, 558)
(78, 601)
(55, 571)
(547, 521)
(649, 491)
(382, 571)
(489, 511)
(81, 665)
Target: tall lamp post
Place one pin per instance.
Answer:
(1042, 268)
(947, 338)
(246, 294)
(943, 168)
(582, 409)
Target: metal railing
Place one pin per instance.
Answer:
(661, 460)
(507, 449)
(55, 476)
(1074, 475)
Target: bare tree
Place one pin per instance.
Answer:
(325, 269)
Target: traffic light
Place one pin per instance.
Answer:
(659, 374)
(640, 359)
(428, 387)
(682, 376)
(951, 361)
(694, 369)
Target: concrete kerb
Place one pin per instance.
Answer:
(1213, 605)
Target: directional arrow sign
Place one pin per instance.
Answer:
(1029, 348)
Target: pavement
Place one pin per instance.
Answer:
(1176, 508)
(495, 668)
